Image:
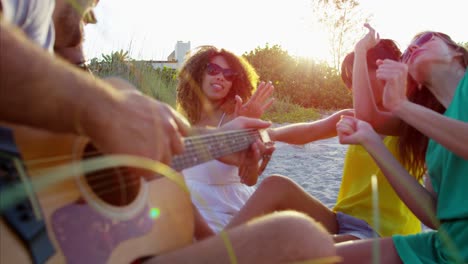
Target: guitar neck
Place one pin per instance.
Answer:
(200, 149)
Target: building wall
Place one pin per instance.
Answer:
(176, 59)
(181, 49)
(167, 64)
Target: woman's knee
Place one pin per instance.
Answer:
(278, 183)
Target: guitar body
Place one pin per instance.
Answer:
(83, 226)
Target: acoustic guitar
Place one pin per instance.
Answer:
(107, 216)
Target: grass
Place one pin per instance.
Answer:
(156, 83)
(283, 111)
(161, 85)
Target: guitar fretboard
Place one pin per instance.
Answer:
(200, 149)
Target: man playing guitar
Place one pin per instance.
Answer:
(62, 99)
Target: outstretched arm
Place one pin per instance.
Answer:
(419, 200)
(303, 133)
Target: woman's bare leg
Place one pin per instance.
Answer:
(202, 229)
(362, 251)
(277, 193)
(280, 237)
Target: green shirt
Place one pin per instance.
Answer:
(449, 172)
(449, 176)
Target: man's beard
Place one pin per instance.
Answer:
(76, 37)
(69, 29)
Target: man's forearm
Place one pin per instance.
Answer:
(42, 91)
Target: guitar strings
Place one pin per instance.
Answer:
(105, 188)
(110, 186)
(191, 138)
(210, 148)
(200, 140)
(64, 194)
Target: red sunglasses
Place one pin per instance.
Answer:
(214, 69)
(421, 40)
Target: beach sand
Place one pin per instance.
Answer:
(316, 166)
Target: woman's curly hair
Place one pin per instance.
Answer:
(190, 98)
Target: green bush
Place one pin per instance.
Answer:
(301, 86)
(283, 111)
(157, 83)
(303, 82)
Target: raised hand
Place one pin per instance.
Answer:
(355, 132)
(369, 40)
(395, 75)
(257, 104)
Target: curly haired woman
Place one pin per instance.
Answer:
(213, 84)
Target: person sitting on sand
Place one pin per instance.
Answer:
(351, 218)
(29, 72)
(213, 83)
(436, 63)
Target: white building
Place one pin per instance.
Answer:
(176, 59)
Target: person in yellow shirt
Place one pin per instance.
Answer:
(439, 64)
(352, 216)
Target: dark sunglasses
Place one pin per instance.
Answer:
(421, 40)
(214, 69)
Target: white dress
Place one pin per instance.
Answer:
(216, 191)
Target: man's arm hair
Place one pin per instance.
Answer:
(43, 91)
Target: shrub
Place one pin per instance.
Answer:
(157, 83)
(283, 111)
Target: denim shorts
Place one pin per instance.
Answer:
(350, 225)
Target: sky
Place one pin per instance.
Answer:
(149, 29)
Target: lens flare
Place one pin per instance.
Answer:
(154, 213)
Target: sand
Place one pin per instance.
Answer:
(316, 166)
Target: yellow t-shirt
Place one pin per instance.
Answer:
(355, 195)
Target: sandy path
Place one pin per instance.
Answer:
(317, 166)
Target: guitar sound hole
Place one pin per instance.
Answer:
(115, 186)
